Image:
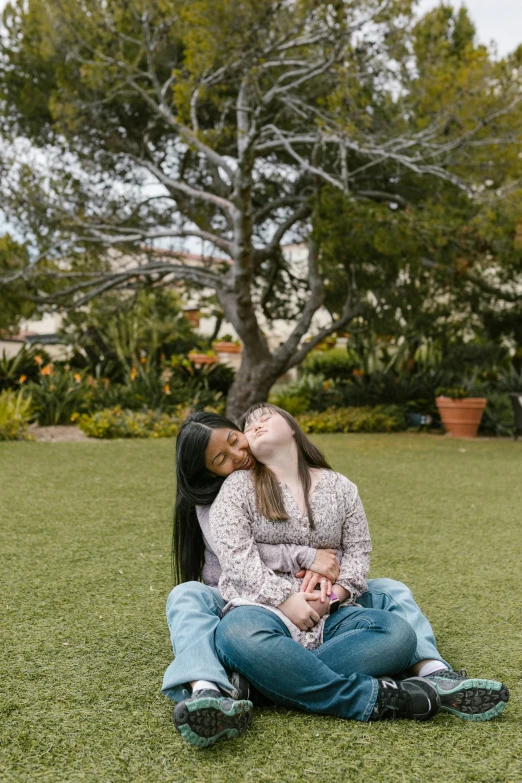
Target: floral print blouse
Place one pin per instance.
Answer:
(237, 527)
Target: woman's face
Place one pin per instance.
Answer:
(226, 452)
(267, 431)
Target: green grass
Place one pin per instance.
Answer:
(84, 547)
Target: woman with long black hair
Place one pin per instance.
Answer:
(209, 449)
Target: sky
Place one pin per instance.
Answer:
(495, 20)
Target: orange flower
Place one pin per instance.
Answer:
(47, 370)
(38, 360)
(326, 385)
(22, 379)
(133, 373)
(77, 377)
(166, 389)
(143, 359)
(358, 372)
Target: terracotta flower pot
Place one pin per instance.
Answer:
(223, 346)
(461, 418)
(202, 358)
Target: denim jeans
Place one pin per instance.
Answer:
(395, 597)
(337, 678)
(194, 611)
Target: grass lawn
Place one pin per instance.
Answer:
(84, 547)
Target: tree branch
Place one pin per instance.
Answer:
(181, 187)
(136, 235)
(261, 254)
(103, 281)
(285, 353)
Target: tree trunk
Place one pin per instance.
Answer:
(251, 384)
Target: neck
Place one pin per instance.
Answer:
(284, 463)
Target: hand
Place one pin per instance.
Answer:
(320, 607)
(326, 563)
(299, 609)
(311, 579)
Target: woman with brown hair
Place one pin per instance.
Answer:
(327, 656)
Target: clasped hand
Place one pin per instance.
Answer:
(323, 572)
(306, 608)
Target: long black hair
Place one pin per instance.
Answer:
(196, 486)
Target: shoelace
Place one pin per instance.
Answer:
(393, 700)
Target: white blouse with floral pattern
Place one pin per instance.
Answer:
(237, 527)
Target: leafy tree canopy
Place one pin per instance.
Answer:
(13, 304)
(242, 125)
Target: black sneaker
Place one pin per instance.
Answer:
(208, 715)
(246, 690)
(467, 698)
(405, 699)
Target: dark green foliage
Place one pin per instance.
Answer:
(13, 305)
(333, 364)
(498, 418)
(57, 395)
(121, 331)
(176, 382)
(21, 368)
(310, 392)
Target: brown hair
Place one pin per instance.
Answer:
(268, 492)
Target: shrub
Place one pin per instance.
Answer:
(58, 394)
(509, 380)
(22, 368)
(334, 364)
(381, 418)
(498, 416)
(417, 391)
(15, 414)
(119, 423)
(310, 392)
(120, 330)
(177, 383)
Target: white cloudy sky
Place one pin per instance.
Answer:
(495, 20)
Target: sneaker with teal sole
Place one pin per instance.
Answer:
(208, 716)
(469, 698)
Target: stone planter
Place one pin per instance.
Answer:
(461, 418)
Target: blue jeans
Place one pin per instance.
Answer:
(337, 678)
(194, 611)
